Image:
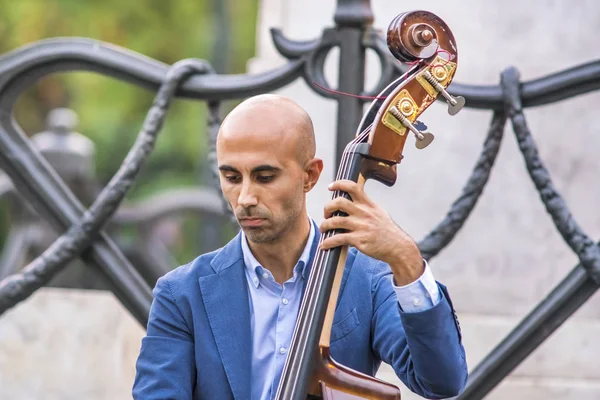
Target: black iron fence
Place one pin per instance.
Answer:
(83, 231)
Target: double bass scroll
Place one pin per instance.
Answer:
(424, 40)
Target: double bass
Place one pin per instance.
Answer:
(425, 41)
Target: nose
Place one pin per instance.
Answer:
(247, 198)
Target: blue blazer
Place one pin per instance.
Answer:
(198, 343)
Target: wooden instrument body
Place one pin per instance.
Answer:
(310, 372)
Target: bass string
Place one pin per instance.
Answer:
(411, 64)
(316, 279)
(343, 173)
(316, 275)
(300, 336)
(323, 256)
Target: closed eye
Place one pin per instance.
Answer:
(265, 178)
(232, 178)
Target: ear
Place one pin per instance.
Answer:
(312, 172)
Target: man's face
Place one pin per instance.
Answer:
(263, 180)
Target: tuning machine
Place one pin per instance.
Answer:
(423, 137)
(455, 104)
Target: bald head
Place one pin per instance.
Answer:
(267, 164)
(277, 119)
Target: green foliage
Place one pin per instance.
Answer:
(111, 112)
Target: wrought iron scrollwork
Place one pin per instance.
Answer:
(80, 234)
(353, 35)
(577, 287)
(445, 231)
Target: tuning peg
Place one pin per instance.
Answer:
(423, 138)
(455, 104)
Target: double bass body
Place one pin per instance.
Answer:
(424, 40)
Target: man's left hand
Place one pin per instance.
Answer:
(371, 230)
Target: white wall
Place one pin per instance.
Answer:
(68, 345)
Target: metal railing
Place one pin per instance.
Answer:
(37, 182)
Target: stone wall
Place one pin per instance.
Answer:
(64, 344)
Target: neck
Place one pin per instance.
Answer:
(280, 256)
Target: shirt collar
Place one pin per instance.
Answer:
(255, 270)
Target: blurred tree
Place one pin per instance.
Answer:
(111, 112)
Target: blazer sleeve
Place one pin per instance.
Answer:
(165, 368)
(424, 348)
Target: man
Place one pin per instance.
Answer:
(220, 326)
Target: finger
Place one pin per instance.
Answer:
(341, 239)
(345, 223)
(352, 188)
(339, 204)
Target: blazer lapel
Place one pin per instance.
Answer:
(225, 296)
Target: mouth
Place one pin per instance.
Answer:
(251, 222)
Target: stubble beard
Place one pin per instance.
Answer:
(267, 234)
(260, 235)
(276, 231)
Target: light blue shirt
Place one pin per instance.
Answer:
(274, 308)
